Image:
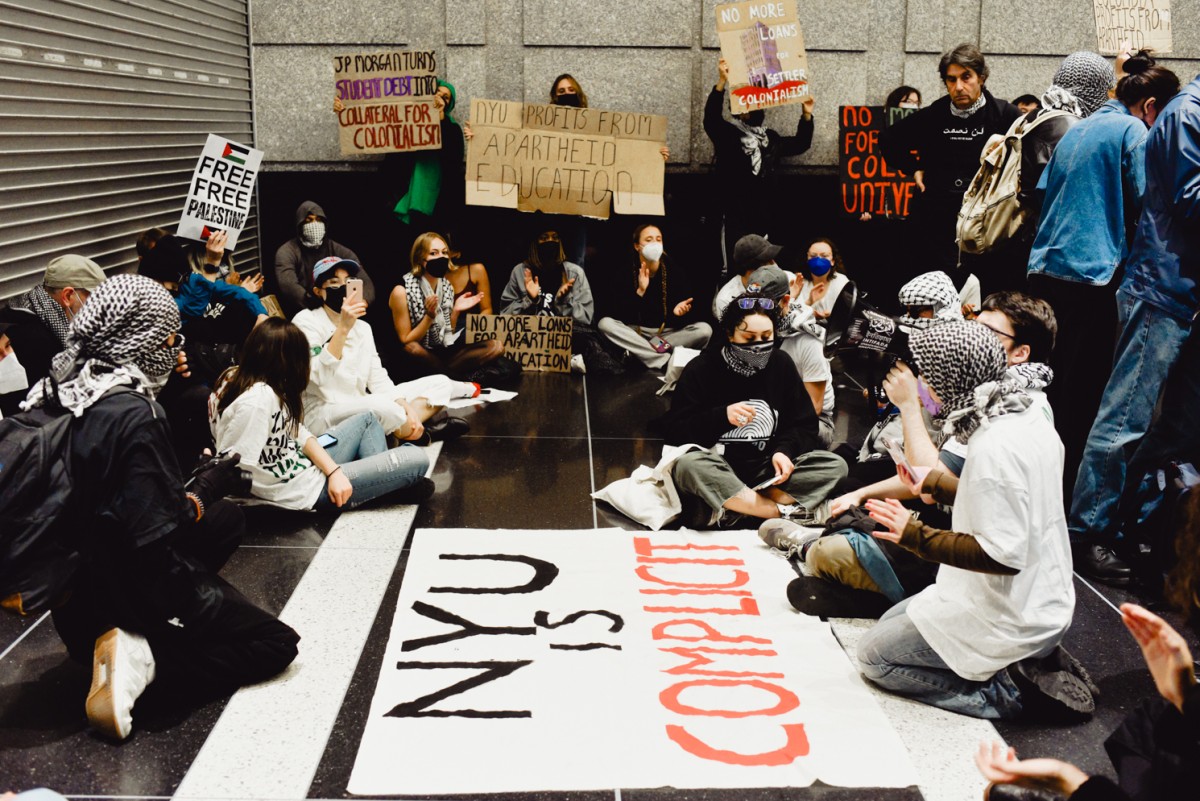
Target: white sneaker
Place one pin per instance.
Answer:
(122, 668)
(787, 536)
(577, 365)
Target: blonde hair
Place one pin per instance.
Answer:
(421, 248)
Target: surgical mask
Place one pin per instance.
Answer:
(749, 358)
(13, 377)
(567, 100)
(438, 267)
(335, 296)
(312, 234)
(819, 265)
(933, 407)
(652, 251)
(548, 253)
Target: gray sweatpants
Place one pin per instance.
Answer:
(708, 476)
(625, 336)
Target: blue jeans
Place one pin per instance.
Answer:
(1147, 347)
(894, 655)
(373, 470)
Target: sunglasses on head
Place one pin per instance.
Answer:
(749, 303)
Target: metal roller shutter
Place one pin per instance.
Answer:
(104, 108)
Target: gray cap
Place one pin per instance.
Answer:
(753, 250)
(769, 281)
(75, 271)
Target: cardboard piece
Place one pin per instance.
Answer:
(388, 102)
(1144, 23)
(563, 160)
(764, 47)
(540, 344)
(868, 183)
(221, 191)
(271, 304)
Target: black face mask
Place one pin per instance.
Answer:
(567, 100)
(438, 267)
(335, 296)
(755, 118)
(548, 254)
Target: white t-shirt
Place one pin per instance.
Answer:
(254, 426)
(808, 353)
(1010, 498)
(825, 304)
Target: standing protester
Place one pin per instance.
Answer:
(1158, 348)
(146, 604)
(295, 259)
(659, 310)
(747, 156)
(940, 147)
(1093, 189)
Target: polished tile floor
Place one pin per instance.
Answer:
(528, 463)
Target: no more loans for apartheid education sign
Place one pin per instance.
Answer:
(387, 102)
(763, 44)
(564, 160)
(221, 191)
(539, 343)
(588, 660)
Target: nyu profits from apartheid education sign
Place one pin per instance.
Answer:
(564, 160)
(586, 660)
(763, 44)
(221, 191)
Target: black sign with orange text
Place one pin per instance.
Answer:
(869, 185)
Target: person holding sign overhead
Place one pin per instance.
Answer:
(747, 154)
(427, 312)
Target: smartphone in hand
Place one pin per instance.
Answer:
(354, 290)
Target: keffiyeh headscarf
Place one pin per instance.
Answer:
(119, 338)
(1081, 84)
(754, 139)
(964, 364)
(963, 113)
(934, 289)
(38, 301)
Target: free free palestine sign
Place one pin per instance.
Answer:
(585, 660)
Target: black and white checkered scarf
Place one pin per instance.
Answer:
(39, 301)
(933, 289)
(964, 364)
(118, 338)
(1081, 84)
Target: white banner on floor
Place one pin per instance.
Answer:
(582, 660)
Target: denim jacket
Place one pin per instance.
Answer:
(1093, 194)
(1164, 263)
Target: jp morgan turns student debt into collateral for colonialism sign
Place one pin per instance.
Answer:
(585, 660)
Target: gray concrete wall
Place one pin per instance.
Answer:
(657, 56)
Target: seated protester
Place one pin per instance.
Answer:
(14, 378)
(1025, 327)
(147, 604)
(973, 641)
(824, 277)
(428, 315)
(802, 338)
(659, 309)
(295, 259)
(257, 411)
(347, 377)
(546, 283)
(749, 253)
(147, 240)
(744, 402)
(46, 311)
(216, 316)
(212, 257)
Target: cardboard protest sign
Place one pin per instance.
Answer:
(387, 101)
(868, 183)
(1144, 23)
(574, 661)
(564, 160)
(540, 344)
(764, 46)
(221, 192)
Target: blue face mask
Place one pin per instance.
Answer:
(933, 407)
(819, 265)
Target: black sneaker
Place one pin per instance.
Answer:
(1101, 563)
(415, 493)
(822, 598)
(447, 428)
(1051, 694)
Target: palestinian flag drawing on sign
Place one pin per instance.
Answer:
(235, 153)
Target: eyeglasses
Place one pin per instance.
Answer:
(749, 303)
(997, 331)
(179, 340)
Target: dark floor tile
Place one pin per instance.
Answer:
(621, 406)
(272, 526)
(547, 405)
(500, 482)
(13, 627)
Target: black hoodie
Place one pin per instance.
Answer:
(294, 264)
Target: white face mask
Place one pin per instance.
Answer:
(13, 377)
(906, 104)
(312, 234)
(652, 251)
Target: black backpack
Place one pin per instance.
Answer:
(40, 544)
